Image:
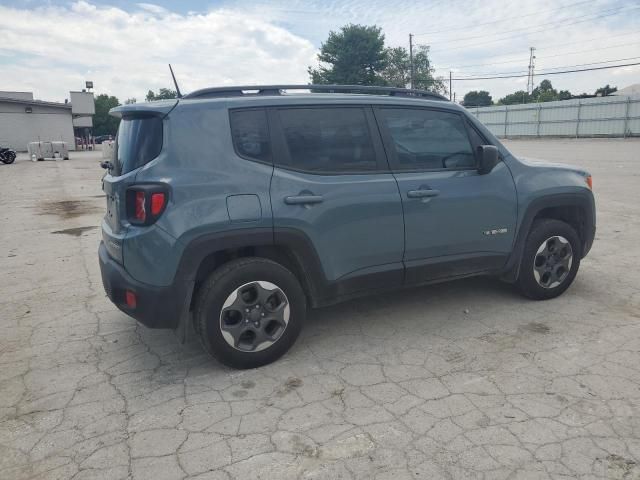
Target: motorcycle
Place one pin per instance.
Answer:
(7, 155)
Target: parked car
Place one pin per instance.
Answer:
(238, 208)
(101, 138)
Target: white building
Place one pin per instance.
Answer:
(24, 120)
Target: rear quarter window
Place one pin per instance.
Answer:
(139, 140)
(250, 133)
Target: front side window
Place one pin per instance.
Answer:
(428, 139)
(327, 140)
(250, 134)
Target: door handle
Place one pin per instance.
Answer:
(303, 199)
(423, 193)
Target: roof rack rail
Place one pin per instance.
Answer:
(277, 90)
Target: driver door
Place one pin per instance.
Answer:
(457, 222)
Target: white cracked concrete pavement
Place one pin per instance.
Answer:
(460, 380)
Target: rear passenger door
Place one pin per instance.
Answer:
(331, 183)
(457, 221)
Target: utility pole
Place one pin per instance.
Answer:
(450, 87)
(411, 59)
(532, 59)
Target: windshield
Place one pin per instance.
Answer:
(139, 140)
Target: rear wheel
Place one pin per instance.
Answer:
(550, 260)
(9, 157)
(249, 312)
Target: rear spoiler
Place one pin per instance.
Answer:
(161, 108)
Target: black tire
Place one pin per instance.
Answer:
(541, 230)
(9, 158)
(221, 284)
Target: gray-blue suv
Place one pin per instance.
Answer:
(238, 208)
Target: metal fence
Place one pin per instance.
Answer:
(613, 116)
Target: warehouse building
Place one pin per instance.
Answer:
(24, 120)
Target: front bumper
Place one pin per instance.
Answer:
(156, 307)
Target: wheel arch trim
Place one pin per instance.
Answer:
(584, 201)
(295, 242)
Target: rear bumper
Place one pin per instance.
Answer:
(588, 241)
(156, 307)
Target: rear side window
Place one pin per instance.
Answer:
(251, 134)
(428, 139)
(139, 141)
(327, 140)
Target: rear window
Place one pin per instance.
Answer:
(139, 141)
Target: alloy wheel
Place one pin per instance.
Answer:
(254, 316)
(552, 262)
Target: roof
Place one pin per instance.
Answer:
(277, 90)
(41, 103)
(263, 96)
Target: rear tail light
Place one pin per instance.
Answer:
(157, 203)
(145, 203)
(140, 213)
(590, 181)
(130, 299)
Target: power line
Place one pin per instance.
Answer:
(549, 73)
(556, 68)
(536, 31)
(466, 27)
(549, 46)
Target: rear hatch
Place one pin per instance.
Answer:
(138, 141)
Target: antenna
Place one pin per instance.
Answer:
(178, 94)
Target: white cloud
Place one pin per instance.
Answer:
(554, 27)
(52, 49)
(55, 49)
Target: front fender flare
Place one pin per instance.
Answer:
(582, 200)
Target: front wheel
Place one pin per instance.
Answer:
(550, 259)
(249, 312)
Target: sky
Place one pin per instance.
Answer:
(52, 47)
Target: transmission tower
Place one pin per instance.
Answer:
(532, 60)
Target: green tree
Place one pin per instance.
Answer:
(564, 95)
(515, 98)
(163, 94)
(423, 72)
(397, 69)
(542, 93)
(477, 98)
(397, 72)
(103, 123)
(129, 101)
(355, 55)
(606, 90)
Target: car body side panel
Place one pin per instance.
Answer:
(358, 224)
(535, 180)
(209, 185)
(202, 171)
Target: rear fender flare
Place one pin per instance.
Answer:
(295, 243)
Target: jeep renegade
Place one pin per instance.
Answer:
(236, 208)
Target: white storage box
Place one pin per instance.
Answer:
(107, 149)
(42, 150)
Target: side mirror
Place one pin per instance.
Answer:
(488, 158)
